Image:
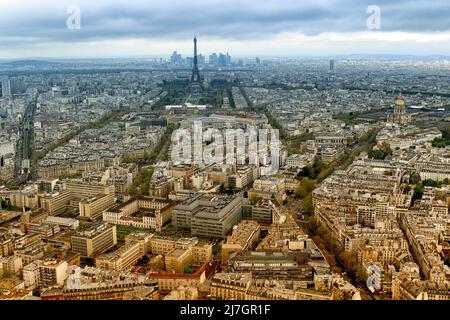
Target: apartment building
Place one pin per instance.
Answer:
(6, 244)
(264, 212)
(92, 207)
(120, 260)
(209, 215)
(98, 284)
(95, 240)
(52, 273)
(244, 236)
(172, 281)
(142, 212)
(56, 203)
(421, 290)
(230, 286)
(88, 189)
(161, 246)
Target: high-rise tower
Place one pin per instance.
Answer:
(196, 86)
(6, 88)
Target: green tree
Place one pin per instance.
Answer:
(307, 205)
(418, 192)
(440, 143)
(188, 270)
(377, 154)
(6, 204)
(308, 172)
(254, 198)
(216, 249)
(305, 187)
(429, 183)
(141, 183)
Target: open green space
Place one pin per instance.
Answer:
(123, 231)
(445, 140)
(141, 182)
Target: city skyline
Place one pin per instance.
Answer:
(223, 152)
(281, 28)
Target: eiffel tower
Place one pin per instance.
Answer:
(196, 86)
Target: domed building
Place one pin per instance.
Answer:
(399, 114)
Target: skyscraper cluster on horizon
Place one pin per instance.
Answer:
(216, 60)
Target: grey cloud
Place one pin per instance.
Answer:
(176, 19)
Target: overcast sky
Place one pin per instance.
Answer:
(38, 28)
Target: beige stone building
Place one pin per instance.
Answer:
(169, 282)
(230, 286)
(120, 260)
(95, 240)
(142, 212)
(178, 259)
(244, 236)
(92, 207)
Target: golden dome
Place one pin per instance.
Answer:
(400, 101)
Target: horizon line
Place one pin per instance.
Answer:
(153, 56)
